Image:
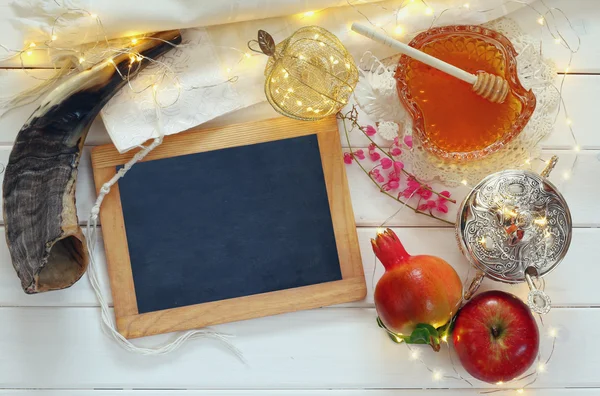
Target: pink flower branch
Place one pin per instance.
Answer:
(396, 169)
(369, 131)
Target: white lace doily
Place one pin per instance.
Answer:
(377, 96)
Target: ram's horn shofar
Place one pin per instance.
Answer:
(46, 244)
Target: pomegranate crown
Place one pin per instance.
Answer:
(389, 249)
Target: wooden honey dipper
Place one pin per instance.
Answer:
(491, 87)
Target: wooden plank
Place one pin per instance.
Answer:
(583, 14)
(572, 284)
(371, 208)
(287, 392)
(579, 92)
(340, 348)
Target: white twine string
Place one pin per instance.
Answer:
(108, 324)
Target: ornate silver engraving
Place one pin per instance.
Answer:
(514, 220)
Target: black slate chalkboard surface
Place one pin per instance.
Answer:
(228, 223)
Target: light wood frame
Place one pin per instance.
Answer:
(352, 287)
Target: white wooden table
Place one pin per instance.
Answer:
(52, 344)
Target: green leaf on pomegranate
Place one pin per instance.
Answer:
(425, 334)
(419, 336)
(432, 330)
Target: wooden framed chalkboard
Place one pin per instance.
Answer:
(227, 224)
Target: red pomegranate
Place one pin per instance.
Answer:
(414, 289)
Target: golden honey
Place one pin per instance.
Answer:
(450, 118)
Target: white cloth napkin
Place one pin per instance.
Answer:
(215, 53)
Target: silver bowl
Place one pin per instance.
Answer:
(515, 226)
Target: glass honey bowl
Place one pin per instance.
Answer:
(449, 119)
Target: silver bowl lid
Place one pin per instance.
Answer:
(514, 222)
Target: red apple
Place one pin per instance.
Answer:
(496, 337)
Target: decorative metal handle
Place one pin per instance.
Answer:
(549, 166)
(538, 301)
(475, 283)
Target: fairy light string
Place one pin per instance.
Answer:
(518, 385)
(352, 117)
(101, 47)
(107, 50)
(546, 18)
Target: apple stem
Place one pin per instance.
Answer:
(495, 331)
